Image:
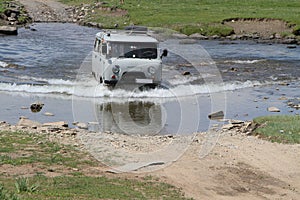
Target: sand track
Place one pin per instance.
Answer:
(238, 167)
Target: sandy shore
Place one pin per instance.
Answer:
(238, 167)
(235, 166)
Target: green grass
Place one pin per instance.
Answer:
(3, 5)
(6, 195)
(83, 187)
(281, 128)
(190, 16)
(20, 150)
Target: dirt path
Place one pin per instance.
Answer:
(239, 167)
(46, 10)
(263, 28)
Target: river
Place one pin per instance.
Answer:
(53, 65)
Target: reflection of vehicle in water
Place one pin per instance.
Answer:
(143, 118)
(130, 56)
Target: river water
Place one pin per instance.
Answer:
(53, 65)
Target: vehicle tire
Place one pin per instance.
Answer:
(101, 79)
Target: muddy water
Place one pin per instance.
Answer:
(53, 64)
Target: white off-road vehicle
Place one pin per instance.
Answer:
(129, 56)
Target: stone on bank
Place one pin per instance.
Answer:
(8, 30)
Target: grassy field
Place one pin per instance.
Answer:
(281, 128)
(189, 16)
(26, 160)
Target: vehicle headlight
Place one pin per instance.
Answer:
(116, 69)
(151, 70)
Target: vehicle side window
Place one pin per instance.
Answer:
(104, 48)
(96, 45)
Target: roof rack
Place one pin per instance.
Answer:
(136, 29)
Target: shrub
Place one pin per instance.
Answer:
(22, 185)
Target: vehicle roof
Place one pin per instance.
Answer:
(126, 37)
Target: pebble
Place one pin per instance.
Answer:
(282, 98)
(48, 114)
(82, 125)
(186, 73)
(216, 115)
(273, 109)
(291, 46)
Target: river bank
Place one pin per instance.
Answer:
(107, 15)
(236, 166)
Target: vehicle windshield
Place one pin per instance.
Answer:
(134, 50)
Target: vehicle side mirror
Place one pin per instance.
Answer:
(164, 54)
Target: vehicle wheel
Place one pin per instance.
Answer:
(101, 80)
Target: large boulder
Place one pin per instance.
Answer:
(8, 30)
(216, 115)
(12, 12)
(36, 106)
(273, 109)
(198, 36)
(60, 124)
(28, 123)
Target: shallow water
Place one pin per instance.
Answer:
(54, 63)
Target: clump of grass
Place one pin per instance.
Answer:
(19, 148)
(5, 195)
(3, 5)
(22, 185)
(22, 19)
(296, 30)
(279, 128)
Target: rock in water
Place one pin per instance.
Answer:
(273, 109)
(185, 73)
(216, 115)
(8, 30)
(82, 125)
(36, 107)
(59, 124)
(48, 114)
